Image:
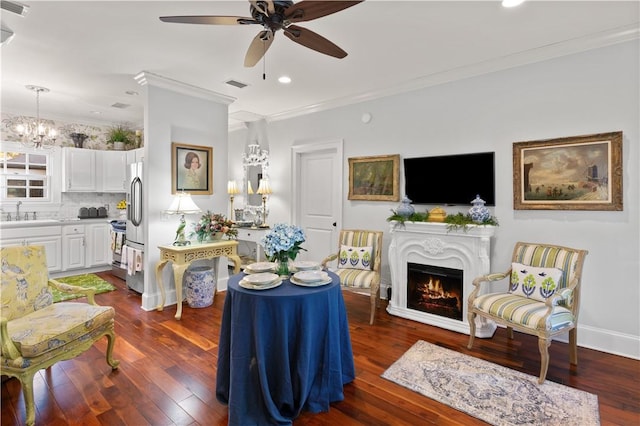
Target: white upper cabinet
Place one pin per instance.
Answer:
(114, 171)
(79, 167)
(87, 170)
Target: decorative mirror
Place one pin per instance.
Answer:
(255, 162)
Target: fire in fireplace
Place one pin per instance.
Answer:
(435, 290)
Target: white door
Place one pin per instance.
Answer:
(317, 191)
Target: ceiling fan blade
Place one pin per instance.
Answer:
(264, 6)
(306, 10)
(313, 41)
(209, 20)
(258, 47)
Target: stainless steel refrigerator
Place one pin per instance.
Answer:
(135, 229)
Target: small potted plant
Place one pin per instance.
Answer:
(119, 136)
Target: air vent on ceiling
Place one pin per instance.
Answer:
(7, 34)
(120, 105)
(236, 83)
(17, 8)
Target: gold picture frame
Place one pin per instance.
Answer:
(375, 178)
(185, 176)
(572, 173)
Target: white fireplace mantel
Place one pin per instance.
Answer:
(431, 243)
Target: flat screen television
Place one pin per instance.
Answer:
(450, 179)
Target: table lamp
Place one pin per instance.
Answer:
(182, 204)
(232, 189)
(264, 189)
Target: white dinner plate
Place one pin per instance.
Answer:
(305, 265)
(247, 285)
(260, 267)
(263, 278)
(311, 276)
(313, 284)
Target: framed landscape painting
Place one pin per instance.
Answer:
(374, 178)
(573, 173)
(191, 169)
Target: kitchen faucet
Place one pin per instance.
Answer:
(18, 210)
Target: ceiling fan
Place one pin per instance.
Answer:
(275, 15)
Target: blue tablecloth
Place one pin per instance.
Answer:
(281, 351)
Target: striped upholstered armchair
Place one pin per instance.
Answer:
(359, 258)
(35, 333)
(542, 299)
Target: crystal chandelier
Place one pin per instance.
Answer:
(37, 132)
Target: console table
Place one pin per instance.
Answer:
(182, 256)
(253, 235)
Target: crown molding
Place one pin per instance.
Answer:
(539, 54)
(144, 78)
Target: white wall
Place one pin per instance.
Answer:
(177, 113)
(590, 92)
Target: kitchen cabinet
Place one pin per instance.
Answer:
(73, 247)
(98, 240)
(68, 246)
(47, 236)
(86, 170)
(79, 170)
(113, 167)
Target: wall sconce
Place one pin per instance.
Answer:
(264, 189)
(232, 189)
(182, 204)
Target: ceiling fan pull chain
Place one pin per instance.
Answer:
(264, 66)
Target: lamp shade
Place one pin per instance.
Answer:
(183, 204)
(249, 188)
(232, 188)
(264, 188)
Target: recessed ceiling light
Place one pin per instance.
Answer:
(512, 3)
(95, 112)
(132, 92)
(285, 79)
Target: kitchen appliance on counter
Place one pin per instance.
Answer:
(135, 229)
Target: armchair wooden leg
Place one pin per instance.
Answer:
(573, 346)
(472, 328)
(510, 333)
(26, 380)
(111, 340)
(543, 346)
(373, 308)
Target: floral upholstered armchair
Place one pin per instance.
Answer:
(542, 299)
(36, 333)
(359, 258)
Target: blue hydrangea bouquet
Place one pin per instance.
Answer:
(281, 243)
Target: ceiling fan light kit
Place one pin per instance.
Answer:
(276, 15)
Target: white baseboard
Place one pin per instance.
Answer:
(612, 342)
(609, 341)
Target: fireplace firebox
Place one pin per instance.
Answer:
(435, 290)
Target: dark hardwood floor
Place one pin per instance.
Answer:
(168, 368)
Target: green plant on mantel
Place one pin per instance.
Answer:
(413, 217)
(453, 221)
(120, 133)
(459, 220)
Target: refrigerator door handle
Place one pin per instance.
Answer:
(136, 201)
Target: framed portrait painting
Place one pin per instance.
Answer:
(191, 169)
(374, 178)
(573, 173)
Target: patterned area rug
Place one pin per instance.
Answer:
(490, 392)
(85, 281)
